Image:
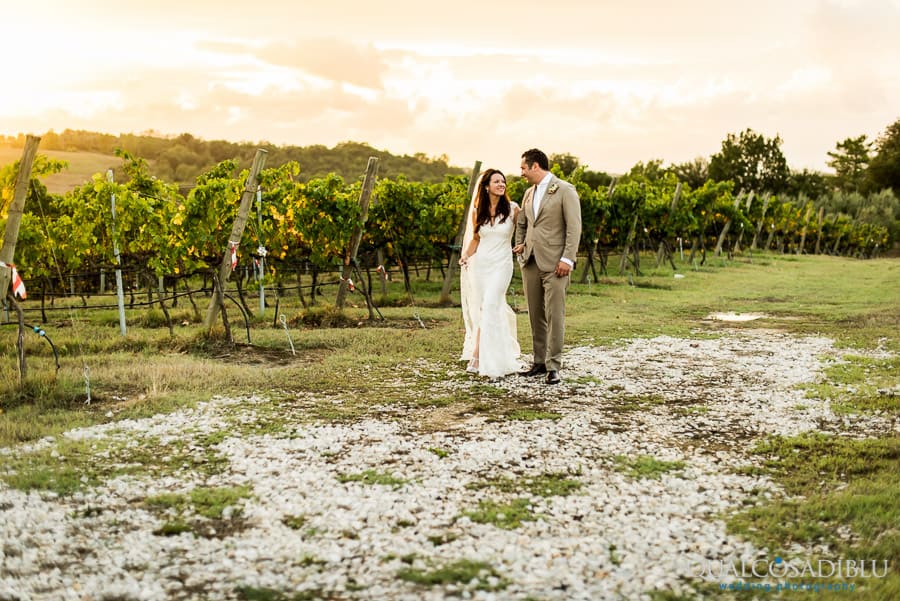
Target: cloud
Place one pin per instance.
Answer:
(328, 59)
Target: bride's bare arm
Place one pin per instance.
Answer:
(472, 247)
(469, 251)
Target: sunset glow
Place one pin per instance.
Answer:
(612, 82)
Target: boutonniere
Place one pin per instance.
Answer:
(552, 189)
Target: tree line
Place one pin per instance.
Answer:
(864, 187)
(181, 159)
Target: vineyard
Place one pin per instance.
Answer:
(67, 243)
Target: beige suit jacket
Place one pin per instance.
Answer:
(556, 230)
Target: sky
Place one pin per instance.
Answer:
(612, 82)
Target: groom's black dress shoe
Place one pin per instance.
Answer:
(553, 377)
(536, 370)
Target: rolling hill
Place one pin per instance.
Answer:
(82, 166)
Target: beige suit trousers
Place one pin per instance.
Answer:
(545, 293)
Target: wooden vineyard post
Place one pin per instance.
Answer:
(821, 219)
(460, 234)
(11, 236)
(14, 217)
(800, 249)
(216, 301)
(629, 242)
(356, 237)
(592, 248)
(837, 239)
(740, 238)
(726, 227)
(762, 221)
(664, 251)
(769, 239)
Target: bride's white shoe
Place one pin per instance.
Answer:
(472, 367)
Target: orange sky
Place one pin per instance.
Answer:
(612, 82)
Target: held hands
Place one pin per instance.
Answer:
(518, 249)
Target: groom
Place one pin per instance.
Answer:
(548, 230)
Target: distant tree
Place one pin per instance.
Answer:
(752, 162)
(79, 139)
(184, 157)
(596, 179)
(51, 141)
(220, 150)
(179, 155)
(567, 162)
(811, 184)
(693, 173)
(884, 168)
(570, 164)
(652, 171)
(849, 161)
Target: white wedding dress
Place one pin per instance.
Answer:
(484, 282)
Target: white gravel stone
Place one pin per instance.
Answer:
(615, 538)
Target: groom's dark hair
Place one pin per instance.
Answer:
(533, 156)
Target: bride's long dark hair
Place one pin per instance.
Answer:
(483, 201)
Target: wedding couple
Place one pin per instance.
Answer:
(547, 231)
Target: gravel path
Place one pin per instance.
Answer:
(311, 526)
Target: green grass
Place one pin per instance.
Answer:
(442, 539)
(68, 465)
(311, 560)
(200, 512)
(644, 466)
(861, 385)
(637, 403)
(372, 477)
(548, 484)
(613, 556)
(479, 575)
(211, 502)
(253, 593)
(838, 492)
(853, 301)
(207, 502)
(294, 522)
(503, 515)
(528, 415)
(173, 528)
(167, 501)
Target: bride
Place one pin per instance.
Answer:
(490, 345)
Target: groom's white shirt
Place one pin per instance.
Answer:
(536, 205)
(539, 194)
